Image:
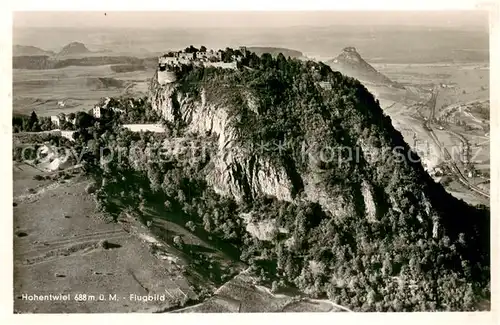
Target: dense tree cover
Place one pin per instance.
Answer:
(397, 263)
(26, 146)
(31, 123)
(121, 68)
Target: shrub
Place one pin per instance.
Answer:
(178, 241)
(191, 226)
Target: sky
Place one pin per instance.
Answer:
(241, 19)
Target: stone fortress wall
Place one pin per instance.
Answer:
(165, 77)
(211, 58)
(223, 65)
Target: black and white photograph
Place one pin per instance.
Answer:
(251, 161)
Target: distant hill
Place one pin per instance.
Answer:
(104, 83)
(28, 50)
(274, 51)
(74, 48)
(32, 62)
(350, 63)
(42, 62)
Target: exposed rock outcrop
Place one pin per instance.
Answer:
(234, 172)
(370, 207)
(238, 172)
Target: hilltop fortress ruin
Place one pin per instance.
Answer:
(170, 63)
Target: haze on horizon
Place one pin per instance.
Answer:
(473, 19)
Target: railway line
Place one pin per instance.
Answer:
(448, 158)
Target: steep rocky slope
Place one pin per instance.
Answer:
(283, 136)
(241, 171)
(295, 169)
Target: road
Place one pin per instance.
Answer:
(448, 159)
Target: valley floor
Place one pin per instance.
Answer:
(64, 246)
(79, 88)
(462, 96)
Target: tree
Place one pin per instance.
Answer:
(83, 120)
(33, 117)
(281, 63)
(371, 297)
(207, 224)
(469, 297)
(178, 241)
(203, 48)
(191, 226)
(33, 123)
(267, 60)
(191, 49)
(387, 266)
(274, 286)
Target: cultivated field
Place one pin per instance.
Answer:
(63, 245)
(77, 86)
(242, 295)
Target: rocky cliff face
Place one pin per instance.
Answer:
(370, 214)
(240, 174)
(234, 172)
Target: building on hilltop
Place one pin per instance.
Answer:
(325, 85)
(209, 56)
(224, 65)
(185, 56)
(55, 120)
(96, 111)
(165, 73)
(61, 117)
(169, 62)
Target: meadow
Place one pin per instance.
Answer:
(79, 87)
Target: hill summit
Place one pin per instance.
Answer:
(350, 63)
(74, 48)
(298, 171)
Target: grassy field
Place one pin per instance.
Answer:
(242, 295)
(58, 248)
(79, 87)
(462, 82)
